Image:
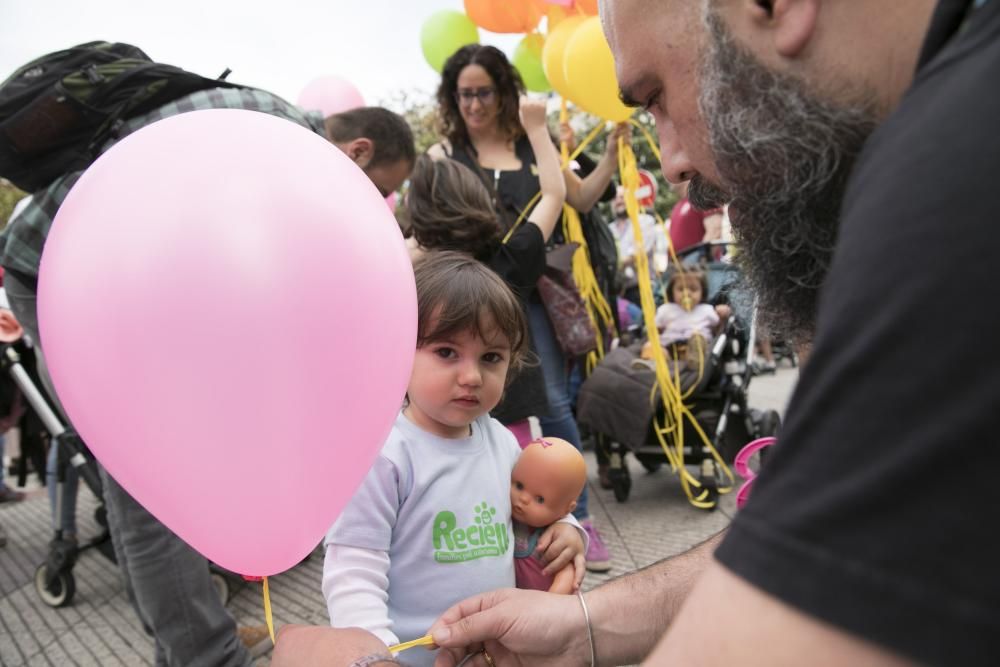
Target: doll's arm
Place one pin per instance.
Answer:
(564, 543)
(564, 581)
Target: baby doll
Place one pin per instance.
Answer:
(544, 485)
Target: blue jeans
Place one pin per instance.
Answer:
(167, 581)
(560, 423)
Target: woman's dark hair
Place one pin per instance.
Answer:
(448, 208)
(688, 274)
(456, 293)
(506, 79)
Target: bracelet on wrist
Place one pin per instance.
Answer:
(590, 630)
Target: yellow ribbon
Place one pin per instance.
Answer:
(268, 618)
(426, 640)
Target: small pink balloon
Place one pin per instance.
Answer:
(330, 95)
(228, 340)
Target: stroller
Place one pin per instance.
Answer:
(615, 401)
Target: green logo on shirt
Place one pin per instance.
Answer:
(481, 539)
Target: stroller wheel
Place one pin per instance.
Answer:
(59, 591)
(621, 483)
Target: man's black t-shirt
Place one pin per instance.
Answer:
(879, 511)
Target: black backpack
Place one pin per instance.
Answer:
(58, 110)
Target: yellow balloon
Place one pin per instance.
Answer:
(554, 51)
(590, 73)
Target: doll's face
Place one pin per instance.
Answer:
(545, 483)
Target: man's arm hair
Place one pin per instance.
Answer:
(631, 613)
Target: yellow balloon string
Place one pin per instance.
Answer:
(426, 640)
(268, 618)
(669, 429)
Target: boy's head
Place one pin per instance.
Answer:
(447, 207)
(687, 288)
(547, 480)
(471, 331)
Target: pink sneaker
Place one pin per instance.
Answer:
(598, 558)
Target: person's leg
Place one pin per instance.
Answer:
(172, 586)
(560, 422)
(6, 494)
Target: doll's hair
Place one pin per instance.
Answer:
(686, 275)
(505, 78)
(447, 207)
(456, 293)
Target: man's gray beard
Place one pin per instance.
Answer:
(783, 158)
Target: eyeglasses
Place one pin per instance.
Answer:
(466, 96)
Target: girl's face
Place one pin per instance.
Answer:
(477, 98)
(686, 292)
(454, 382)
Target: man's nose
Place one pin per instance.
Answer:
(677, 166)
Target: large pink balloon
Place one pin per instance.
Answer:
(229, 315)
(330, 95)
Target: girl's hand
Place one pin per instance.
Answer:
(623, 131)
(560, 545)
(532, 113)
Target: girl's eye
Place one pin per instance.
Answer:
(445, 352)
(540, 499)
(492, 357)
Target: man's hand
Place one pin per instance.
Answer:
(532, 113)
(299, 645)
(559, 545)
(518, 628)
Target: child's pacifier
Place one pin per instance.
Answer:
(742, 466)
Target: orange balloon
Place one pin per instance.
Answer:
(588, 7)
(506, 16)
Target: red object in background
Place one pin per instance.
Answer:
(687, 225)
(646, 194)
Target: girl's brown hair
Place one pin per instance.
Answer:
(448, 208)
(456, 293)
(505, 78)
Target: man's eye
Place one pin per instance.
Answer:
(651, 101)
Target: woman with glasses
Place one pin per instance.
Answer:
(478, 115)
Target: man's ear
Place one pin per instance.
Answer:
(361, 151)
(792, 23)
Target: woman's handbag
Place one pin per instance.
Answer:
(564, 305)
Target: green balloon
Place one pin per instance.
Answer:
(445, 32)
(528, 61)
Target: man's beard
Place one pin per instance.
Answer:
(783, 157)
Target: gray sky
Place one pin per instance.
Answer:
(278, 46)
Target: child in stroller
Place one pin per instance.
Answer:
(620, 403)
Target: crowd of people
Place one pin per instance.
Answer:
(851, 145)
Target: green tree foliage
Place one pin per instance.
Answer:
(9, 196)
(420, 111)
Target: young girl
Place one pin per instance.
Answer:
(431, 523)
(686, 321)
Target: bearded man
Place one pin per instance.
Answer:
(856, 142)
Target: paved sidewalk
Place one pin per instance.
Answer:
(100, 627)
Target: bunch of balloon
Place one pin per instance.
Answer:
(582, 57)
(443, 33)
